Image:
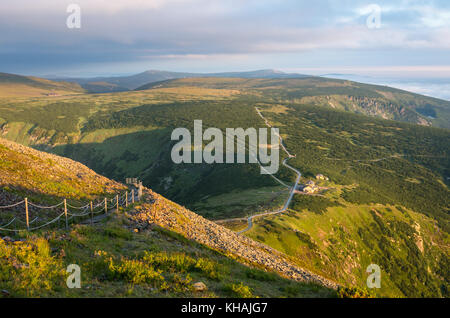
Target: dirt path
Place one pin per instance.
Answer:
(291, 193)
(286, 204)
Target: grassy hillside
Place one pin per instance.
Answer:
(340, 240)
(344, 146)
(25, 171)
(12, 85)
(126, 254)
(117, 262)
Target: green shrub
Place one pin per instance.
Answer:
(119, 232)
(314, 204)
(167, 272)
(364, 195)
(28, 269)
(239, 290)
(134, 271)
(354, 292)
(259, 275)
(182, 263)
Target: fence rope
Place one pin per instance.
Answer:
(9, 223)
(45, 207)
(79, 214)
(102, 204)
(48, 223)
(30, 222)
(78, 207)
(12, 205)
(117, 201)
(10, 230)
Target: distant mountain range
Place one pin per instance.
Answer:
(12, 85)
(125, 83)
(371, 100)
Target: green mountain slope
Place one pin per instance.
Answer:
(136, 251)
(373, 165)
(343, 239)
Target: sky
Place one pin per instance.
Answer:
(406, 41)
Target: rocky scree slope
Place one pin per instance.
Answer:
(157, 210)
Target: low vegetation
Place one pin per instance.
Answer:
(116, 262)
(340, 242)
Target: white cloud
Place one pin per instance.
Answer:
(425, 15)
(435, 18)
(215, 30)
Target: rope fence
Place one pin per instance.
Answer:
(66, 211)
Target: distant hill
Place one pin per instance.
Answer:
(12, 85)
(372, 100)
(123, 83)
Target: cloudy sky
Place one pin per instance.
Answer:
(314, 37)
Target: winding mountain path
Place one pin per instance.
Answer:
(286, 204)
(291, 193)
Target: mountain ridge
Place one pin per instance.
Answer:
(131, 82)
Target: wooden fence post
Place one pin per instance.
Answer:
(132, 195)
(126, 198)
(92, 214)
(106, 206)
(139, 190)
(26, 214)
(117, 203)
(65, 213)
